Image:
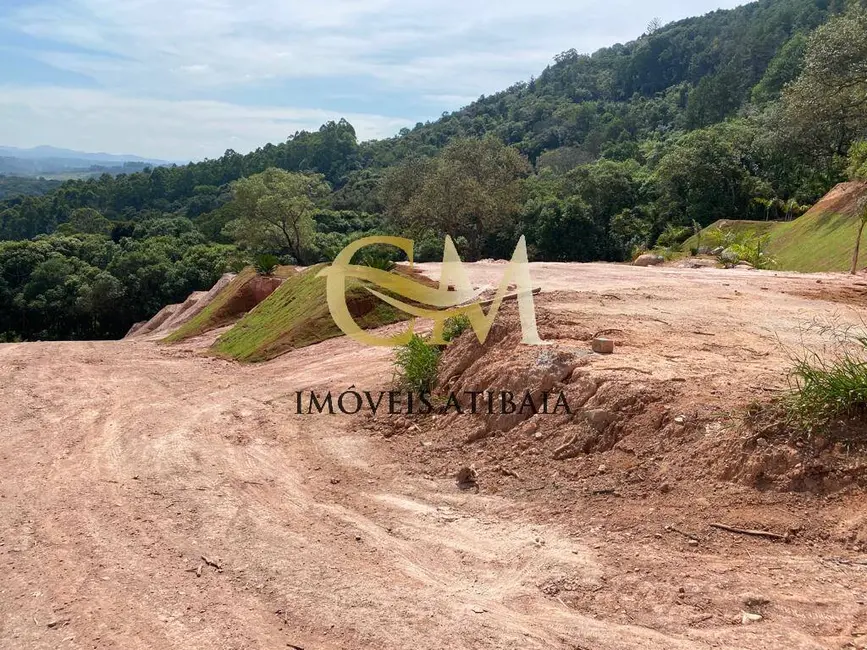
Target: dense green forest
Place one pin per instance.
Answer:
(746, 113)
(11, 186)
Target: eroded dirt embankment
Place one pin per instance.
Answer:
(152, 497)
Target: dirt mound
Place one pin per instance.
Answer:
(773, 452)
(173, 316)
(227, 303)
(845, 199)
(621, 428)
(297, 315)
(147, 327)
(194, 305)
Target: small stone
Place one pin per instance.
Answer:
(538, 436)
(649, 259)
(602, 469)
(665, 488)
(466, 476)
(680, 420)
(747, 618)
(335, 481)
(599, 419)
(602, 346)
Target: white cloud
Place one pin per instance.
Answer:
(397, 54)
(99, 121)
(441, 47)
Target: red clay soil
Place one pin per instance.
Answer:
(153, 497)
(846, 199)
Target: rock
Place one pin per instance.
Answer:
(599, 419)
(717, 251)
(747, 618)
(699, 264)
(665, 488)
(602, 346)
(728, 256)
(466, 476)
(693, 542)
(680, 419)
(649, 259)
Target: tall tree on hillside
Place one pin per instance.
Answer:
(276, 211)
(858, 172)
(862, 221)
(826, 106)
(472, 190)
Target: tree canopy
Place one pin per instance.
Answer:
(753, 112)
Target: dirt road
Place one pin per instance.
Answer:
(152, 497)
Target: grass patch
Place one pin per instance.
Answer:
(221, 311)
(296, 315)
(833, 386)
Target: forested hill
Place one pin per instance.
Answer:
(745, 113)
(685, 75)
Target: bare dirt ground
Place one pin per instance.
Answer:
(152, 497)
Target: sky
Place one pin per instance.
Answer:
(187, 79)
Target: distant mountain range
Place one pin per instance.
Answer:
(44, 151)
(53, 161)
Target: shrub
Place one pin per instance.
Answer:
(454, 327)
(377, 261)
(752, 248)
(667, 253)
(266, 264)
(416, 364)
(673, 236)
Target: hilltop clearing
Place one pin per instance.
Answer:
(155, 497)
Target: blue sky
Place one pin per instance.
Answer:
(188, 79)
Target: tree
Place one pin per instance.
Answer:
(706, 176)
(88, 221)
(826, 107)
(862, 221)
(277, 209)
(857, 169)
(472, 189)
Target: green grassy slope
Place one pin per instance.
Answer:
(821, 240)
(219, 312)
(296, 315)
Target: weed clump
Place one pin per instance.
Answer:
(416, 364)
(824, 389)
(454, 327)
